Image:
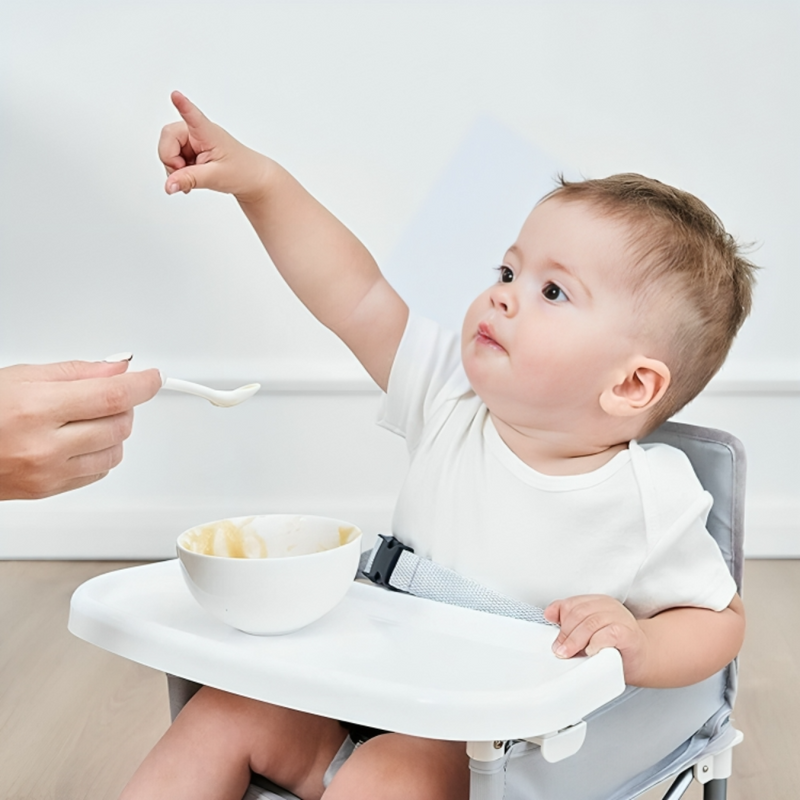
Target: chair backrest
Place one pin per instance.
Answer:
(719, 461)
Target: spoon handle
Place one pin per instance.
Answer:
(188, 387)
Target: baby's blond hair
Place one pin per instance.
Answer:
(686, 264)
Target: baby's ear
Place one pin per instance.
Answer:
(637, 390)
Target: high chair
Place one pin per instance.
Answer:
(536, 726)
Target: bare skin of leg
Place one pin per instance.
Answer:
(397, 767)
(218, 738)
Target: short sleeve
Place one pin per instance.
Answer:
(426, 373)
(684, 565)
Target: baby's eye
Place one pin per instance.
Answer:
(506, 274)
(554, 292)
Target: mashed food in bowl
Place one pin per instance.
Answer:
(239, 539)
(225, 538)
(269, 574)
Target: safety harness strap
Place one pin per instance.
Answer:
(394, 565)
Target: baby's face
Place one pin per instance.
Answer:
(542, 343)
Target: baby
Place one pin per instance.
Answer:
(617, 303)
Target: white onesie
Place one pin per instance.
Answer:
(633, 529)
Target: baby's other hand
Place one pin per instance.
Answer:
(592, 622)
(198, 154)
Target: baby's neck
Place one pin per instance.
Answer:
(556, 454)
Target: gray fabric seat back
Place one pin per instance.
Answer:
(719, 461)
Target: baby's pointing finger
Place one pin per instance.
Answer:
(192, 115)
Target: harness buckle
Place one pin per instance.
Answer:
(386, 554)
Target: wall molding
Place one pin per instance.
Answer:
(298, 376)
(753, 386)
(145, 531)
(772, 527)
(314, 377)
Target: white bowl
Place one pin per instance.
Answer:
(275, 573)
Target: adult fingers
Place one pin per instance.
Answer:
(70, 370)
(91, 436)
(46, 469)
(69, 485)
(137, 388)
(45, 489)
(103, 397)
(88, 465)
(85, 481)
(79, 470)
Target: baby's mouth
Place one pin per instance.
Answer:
(485, 336)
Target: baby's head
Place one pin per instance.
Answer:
(616, 305)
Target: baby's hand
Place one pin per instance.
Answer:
(199, 154)
(591, 622)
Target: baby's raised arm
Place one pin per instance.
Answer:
(326, 266)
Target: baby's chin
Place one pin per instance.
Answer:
(469, 365)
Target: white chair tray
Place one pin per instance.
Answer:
(380, 658)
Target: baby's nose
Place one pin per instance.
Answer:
(503, 299)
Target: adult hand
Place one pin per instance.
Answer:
(592, 622)
(198, 154)
(62, 425)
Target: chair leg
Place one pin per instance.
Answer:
(180, 692)
(487, 770)
(680, 785)
(719, 768)
(716, 790)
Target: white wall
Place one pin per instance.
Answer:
(378, 107)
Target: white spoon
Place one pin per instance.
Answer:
(218, 397)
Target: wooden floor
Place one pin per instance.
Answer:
(75, 721)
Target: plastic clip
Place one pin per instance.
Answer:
(384, 560)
